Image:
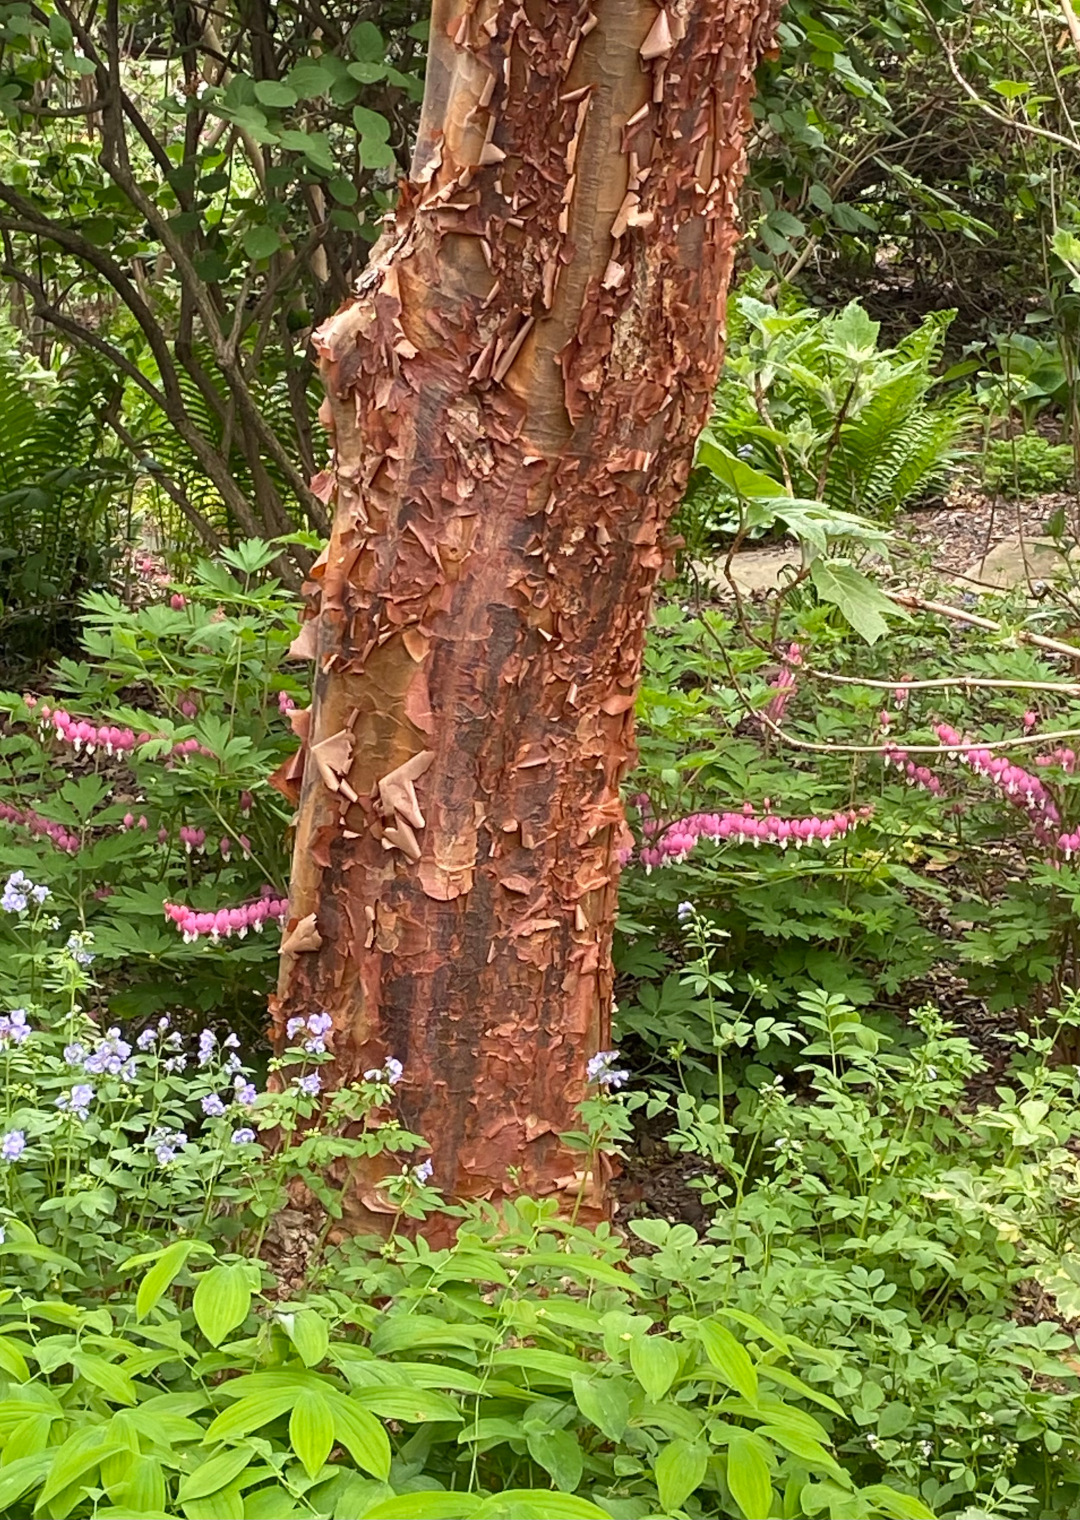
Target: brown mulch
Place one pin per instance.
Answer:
(950, 536)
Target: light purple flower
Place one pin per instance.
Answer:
(110, 1057)
(39, 894)
(684, 911)
(212, 1106)
(233, 1064)
(243, 1136)
(165, 1143)
(163, 1023)
(423, 1172)
(601, 1070)
(231, 1041)
(75, 1054)
(76, 947)
(389, 1075)
(13, 1027)
(16, 891)
(245, 1092)
(77, 1101)
(12, 1145)
(311, 1085)
(147, 1038)
(175, 1064)
(207, 1046)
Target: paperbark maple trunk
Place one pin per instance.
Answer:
(514, 394)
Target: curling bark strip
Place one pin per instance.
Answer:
(513, 394)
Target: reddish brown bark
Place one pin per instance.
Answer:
(514, 395)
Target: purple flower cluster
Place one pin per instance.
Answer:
(78, 948)
(310, 1086)
(389, 1075)
(12, 1145)
(243, 1136)
(423, 1172)
(601, 1069)
(14, 1029)
(165, 1143)
(18, 893)
(111, 1057)
(316, 1025)
(212, 1106)
(77, 1101)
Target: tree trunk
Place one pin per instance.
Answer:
(514, 395)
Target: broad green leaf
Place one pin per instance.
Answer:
(161, 1275)
(28, 1436)
(361, 1435)
(678, 1469)
(145, 1487)
(12, 1360)
(590, 1268)
(311, 1430)
(427, 1506)
(221, 1300)
(215, 1473)
(80, 1454)
(748, 1477)
(309, 1333)
(795, 1440)
(250, 1413)
(856, 596)
(730, 1359)
(559, 1453)
(23, 1474)
(269, 92)
(413, 1405)
(112, 1381)
(603, 1401)
(309, 79)
(261, 242)
(734, 473)
(538, 1504)
(897, 1506)
(226, 1504)
(655, 1361)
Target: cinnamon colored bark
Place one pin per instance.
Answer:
(514, 394)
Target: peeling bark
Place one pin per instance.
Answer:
(513, 393)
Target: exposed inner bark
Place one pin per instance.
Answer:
(514, 394)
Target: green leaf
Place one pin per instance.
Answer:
(1011, 89)
(309, 79)
(251, 1413)
(269, 92)
(604, 1402)
(413, 1405)
(678, 1470)
(80, 1454)
(427, 1506)
(161, 1275)
(856, 596)
(23, 1474)
(731, 1360)
(261, 242)
(559, 1453)
(311, 1430)
(734, 473)
(309, 1333)
(215, 1473)
(145, 1487)
(361, 1435)
(748, 1477)
(112, 1381)
(12, 1360)
(221, 1300)
(655, 1361)
(897, 1506)
(226, 1504)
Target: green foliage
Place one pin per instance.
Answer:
(205, 675)
(814, 403)
(61, 491)
(1027, 465)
